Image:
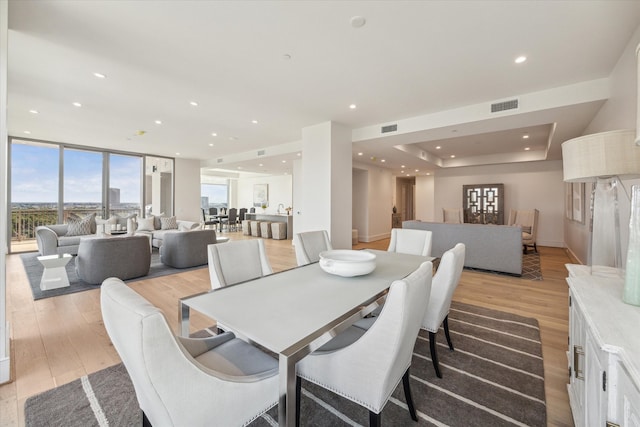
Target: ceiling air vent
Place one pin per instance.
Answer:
(389, 128)
(262, 152)
(220, 160)
(505, 105)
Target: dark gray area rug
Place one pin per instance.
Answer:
(495, 377)
(34, 270)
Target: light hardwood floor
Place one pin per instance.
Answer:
(57, 340)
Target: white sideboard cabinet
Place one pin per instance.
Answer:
(604, 352)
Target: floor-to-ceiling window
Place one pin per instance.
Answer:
(33, 191)
(50, 181)
(214, 196)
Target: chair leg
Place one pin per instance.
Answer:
(407, 395)
(374, 419)
(434, 354)
(445, 324)
(535, 248)
(298, 393)
(145, 420)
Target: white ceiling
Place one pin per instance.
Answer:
(426, 65)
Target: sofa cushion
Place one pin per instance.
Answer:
(81, 226)
(146, 224)
(168, 223)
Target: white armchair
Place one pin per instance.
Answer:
(528, 220)
(309, 244)
(365, 366)
(409, 241)
(178, 381)
(445, 283)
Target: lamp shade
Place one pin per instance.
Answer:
(602, 154)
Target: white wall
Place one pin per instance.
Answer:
(425, 194)
(280, 191)
(187, 190)
(4, 325)
(531, 185)
(379, 201)
(618, 112)
(360, 203)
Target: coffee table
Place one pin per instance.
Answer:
(54, 275)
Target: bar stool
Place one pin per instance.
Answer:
(246, 228)
(279, 230)
(265, 229)
(255, 228)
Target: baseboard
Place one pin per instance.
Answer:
(551, 243)
(574, 258)
(373, 238)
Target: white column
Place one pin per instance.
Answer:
(4, 325)
(326, 182)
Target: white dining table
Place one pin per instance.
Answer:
(294, 312)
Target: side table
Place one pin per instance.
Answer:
(55, 274)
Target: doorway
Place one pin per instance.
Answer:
(405, 197)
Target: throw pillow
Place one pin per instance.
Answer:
(80, 227)
(158, 224)
(169, 223)
(146, 224)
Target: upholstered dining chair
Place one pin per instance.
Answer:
(178, 381)
(366, 366)
(206, 221)
(452, 215)
(309, 244)
(409, 241)
(445, 283)
(237, 261)
(528, 220)
(230, 221)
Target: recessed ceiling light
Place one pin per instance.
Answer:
(284, 161)
(299, 154)
(177, 154)
(239, 167)
(33, 111)
(77, 104)
(352, 106)
(525, 136)
(193, 103)
(453, 156)
(428, 173)
(210, 145)
(158, 122)
(214, 134)
(28, 132)
(360, 153)
(382, 160)
(401, 166)
(99, 75)
(260, 164)
(527, 148)
(438, 147)
(358, 21)
(417, 170)
(520, 59)
(255, 122)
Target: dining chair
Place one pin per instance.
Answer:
(237, 261)
(528, 220)
(309, 244)
(365, 366)
(231, 219)
(178, 381)
(206, 221)
(409, 241)
(241, 216)
(445, 282)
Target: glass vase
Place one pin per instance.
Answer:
(631, 291)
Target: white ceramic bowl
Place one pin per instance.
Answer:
(347, 263)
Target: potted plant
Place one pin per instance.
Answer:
(264, 207)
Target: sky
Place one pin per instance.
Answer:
(34, 175)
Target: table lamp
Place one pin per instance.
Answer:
(603, 158)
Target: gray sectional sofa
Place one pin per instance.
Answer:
(53, 239)
(488, 247)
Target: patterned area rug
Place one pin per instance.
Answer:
(495, 377)
(530, 267)
(34, 270)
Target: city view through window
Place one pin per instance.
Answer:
(35, 183)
